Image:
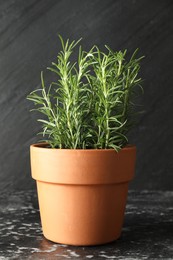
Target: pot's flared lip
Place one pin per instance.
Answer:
(82, 166)
(45, 146)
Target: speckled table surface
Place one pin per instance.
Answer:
(147, 232)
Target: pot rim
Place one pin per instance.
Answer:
(44, 145)
(82, 166)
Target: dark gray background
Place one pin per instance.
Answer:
(28, 44)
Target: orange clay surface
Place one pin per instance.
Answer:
(82, 193)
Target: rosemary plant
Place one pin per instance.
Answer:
(91, 103)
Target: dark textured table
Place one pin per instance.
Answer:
(147, 232)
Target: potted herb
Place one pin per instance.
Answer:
(84, 164)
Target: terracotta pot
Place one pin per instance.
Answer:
(82, 193)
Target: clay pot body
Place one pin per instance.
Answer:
(82, 193)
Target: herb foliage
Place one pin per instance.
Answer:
(90, 106)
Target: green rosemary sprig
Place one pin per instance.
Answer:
(91, 103)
